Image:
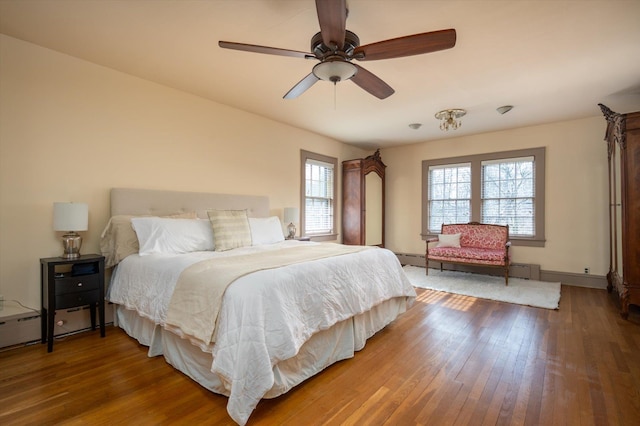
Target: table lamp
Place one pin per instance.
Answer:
(69, 218)
(291, 215)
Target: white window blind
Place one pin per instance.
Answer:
(508, 194)
(319, 197)
(449, 195)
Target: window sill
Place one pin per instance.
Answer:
(322, 237)
(526, 242)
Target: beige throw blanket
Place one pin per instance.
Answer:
(197, 297)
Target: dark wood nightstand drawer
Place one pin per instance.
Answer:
(71, 300)
(76, 284)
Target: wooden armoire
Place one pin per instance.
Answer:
(623, 151)
(363, 201)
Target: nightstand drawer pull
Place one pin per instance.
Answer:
(79, 284)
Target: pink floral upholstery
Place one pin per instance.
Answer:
(467, 255)
(479, 235)
(480, 244)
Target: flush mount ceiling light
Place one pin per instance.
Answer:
(449, 118)
(415, 126)
(504, 109)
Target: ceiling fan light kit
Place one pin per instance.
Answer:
(335, 47)
(334, 70)
(450, 118)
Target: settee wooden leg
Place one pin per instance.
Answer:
(506, 276)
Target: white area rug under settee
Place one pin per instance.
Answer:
(520, 291)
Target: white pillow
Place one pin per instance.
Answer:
(265, 230)
(164, 235)
(448, 240)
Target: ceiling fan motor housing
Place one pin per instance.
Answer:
(351, 41)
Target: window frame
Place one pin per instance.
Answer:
(538, 240)
(503, 190)
(304, 157)
(457, 183)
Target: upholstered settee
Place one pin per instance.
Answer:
(471, 244)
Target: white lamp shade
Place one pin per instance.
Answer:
(291, 215)
(70, 216)
(334, 71)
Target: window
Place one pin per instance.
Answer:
(505, 188)
(318, 187)
(449, 195)
(508, 194)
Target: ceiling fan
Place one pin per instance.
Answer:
(335, 47)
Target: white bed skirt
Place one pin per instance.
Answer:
(323, 349)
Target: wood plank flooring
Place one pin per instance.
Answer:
(449, 360)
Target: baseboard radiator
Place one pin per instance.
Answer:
(25, 329)
(528, 271)
(516, 270)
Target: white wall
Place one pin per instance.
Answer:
(576, 216)
(70, 130)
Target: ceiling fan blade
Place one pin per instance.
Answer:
(332, 16)
(302, 86)
(372, 84)
(415, 44)
(264, 49)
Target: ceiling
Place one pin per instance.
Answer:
(551, 60)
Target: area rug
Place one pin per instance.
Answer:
(539, 294)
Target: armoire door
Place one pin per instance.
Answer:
(363, 198)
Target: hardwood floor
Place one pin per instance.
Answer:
(450, 360)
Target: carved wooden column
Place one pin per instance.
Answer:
(623, 151)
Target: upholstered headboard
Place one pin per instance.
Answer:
(159, 203)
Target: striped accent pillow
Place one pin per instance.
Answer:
(230, 229)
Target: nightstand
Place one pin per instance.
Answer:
(70, 283)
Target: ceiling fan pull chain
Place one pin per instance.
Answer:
(335, 91)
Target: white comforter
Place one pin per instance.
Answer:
(268, 315)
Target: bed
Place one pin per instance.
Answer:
(289, 309)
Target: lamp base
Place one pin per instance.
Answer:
(291, 228)
(71, 242)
